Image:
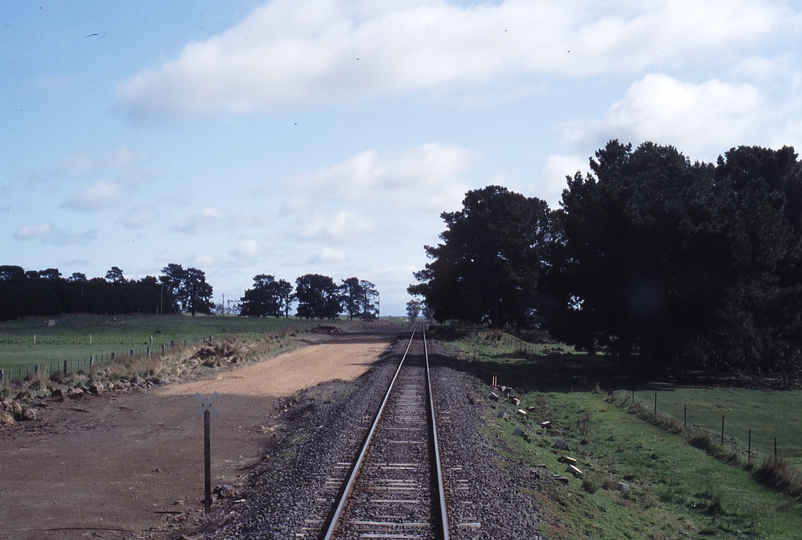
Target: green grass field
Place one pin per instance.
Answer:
(27, 342)
(767, 413)
(677, 491)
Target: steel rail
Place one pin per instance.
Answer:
(335, 520)
(441, 491)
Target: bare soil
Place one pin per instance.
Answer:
(130, 464)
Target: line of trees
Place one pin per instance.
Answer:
(317, 296)
(662, 261)
(178, 290)
(46, 292)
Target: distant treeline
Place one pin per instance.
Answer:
(46, 292)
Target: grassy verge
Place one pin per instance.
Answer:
(638, 480)
(761, 415)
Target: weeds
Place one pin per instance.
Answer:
(775, 474)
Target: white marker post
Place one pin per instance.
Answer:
(207, 410)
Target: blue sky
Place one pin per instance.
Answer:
(327, 136)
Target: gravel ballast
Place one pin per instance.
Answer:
(293, 490)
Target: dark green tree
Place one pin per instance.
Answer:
(359, 298)
(318, 297)
(492, 256)
(196, 292)
(685, 263)
(115, 276)
(267, 298)
(172, 279)
(413, 310)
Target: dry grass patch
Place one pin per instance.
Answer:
(776, 475)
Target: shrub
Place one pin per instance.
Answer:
(776, 475)
(590, 483)
(701, 439)
(57, 377)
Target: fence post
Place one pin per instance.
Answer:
(36, 371)
(2, 374)
(722, 431)
(749, 448)
(91, 361)
(65, 367)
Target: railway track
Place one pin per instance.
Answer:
(394, 488)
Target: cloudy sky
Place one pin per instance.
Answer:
(326, 136)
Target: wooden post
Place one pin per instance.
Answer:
(207, 410)
(65, 367)
(207, 460)
(749, 448)
(36, 371)
(2, 374)
(722, 431)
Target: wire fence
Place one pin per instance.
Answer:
(752, 441)
(85, 363)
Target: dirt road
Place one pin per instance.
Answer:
(120, 464)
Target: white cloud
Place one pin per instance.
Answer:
(122, 157)
(713, 115)
(136, 219)
(196, 222)
(287, 53)
(204, 261)
(32, 232)
(330, 255)
(246, 249)
(344, 225)
(425, 177)
(99, 195)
